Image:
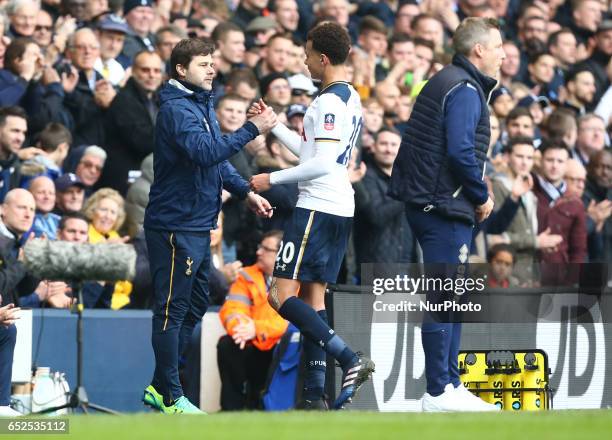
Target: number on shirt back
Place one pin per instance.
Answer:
(344, 158)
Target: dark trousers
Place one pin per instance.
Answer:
(442, 240)
(243, 374)
(8, 338)
(179, 263)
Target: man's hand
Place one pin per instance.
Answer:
(260, 182)
(60, 301)
(244, 332)
(259, 205)
(265, 121)
(9, 314)
(521, 185)
(28, 153)
(230, 271)
(104, 94)
(547, 241)
(484, 211)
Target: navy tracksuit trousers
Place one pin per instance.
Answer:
(8, 339)
(442, 240)
(179, 263)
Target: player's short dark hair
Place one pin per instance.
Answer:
(186, 50)
(518, 140)
(52, 136)
(554, 144)
(12, 110)
(71, 215)
(332, 40)
(501, 247)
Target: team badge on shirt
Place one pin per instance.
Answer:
(329, 120)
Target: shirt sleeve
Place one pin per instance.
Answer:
(461, 116)
(328, 118)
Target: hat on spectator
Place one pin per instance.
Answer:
(605, 25)
(499, 92)
(128, 5)
(295, 110)
(261, 24)
(532, 99)
(264, 83)
(113, 23)
(66, 181)
(302, 82)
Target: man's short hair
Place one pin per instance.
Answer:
(276, 233)
(283, 35)
(587, 117)
(12, 110)
(369, 23)
(224, 28)
(553, 40)
(518, 140)
(242, 75)
(231, 97)
(72, 215)
(398, 38)
(554, 144)
(53, 135)
(560, 122)
(332, 40)
(575, 71)
(94, 150)
(15, 5)
(534, 57)
(186, 50)
(473, 31)
(171, 29)
(501, 247)
(387, 129)
(518, 112)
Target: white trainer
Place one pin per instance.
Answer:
(472, 403)
(7, 411)
(448, 401)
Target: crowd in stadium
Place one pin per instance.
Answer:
(78, 105)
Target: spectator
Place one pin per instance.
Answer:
(295, 117)
(276, 91)
(538, 106)
(138, 197)
(247, 11)
(372, 38)
(511, 66)
(559, 212)
(19, 78)
(259, 31)
(229, 39)
(590, 139)
(165, 39)
(407, 10)
(587, 17)
(45, 221)
(139, 15)
(562, 46)
(106, 214)
(13, 129)
(515, 187)
(22, 15)
(93, 94)
(597, 197)
(276, 56)
(388, 95)
(53, 142)
(402, 61)
(302, 89)
(502, 102)
(43, 32)
(373, 121)
(561, 124)
(70, 194)
(112, 31)
(130, 123)
(287, 15)
(87, 162)
(242, 82)
(501, 258)
(597, 63)
(580, 85)
(430, 29)
(390, 237)
(519, 123)
(541, 68)
(253, 327)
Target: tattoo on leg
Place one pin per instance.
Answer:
(274, 295)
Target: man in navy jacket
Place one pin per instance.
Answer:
(191, 169)
(439, 173)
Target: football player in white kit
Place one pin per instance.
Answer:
(314, 244)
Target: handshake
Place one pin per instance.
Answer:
(262, 116)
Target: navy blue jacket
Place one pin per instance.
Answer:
(190, 161)
(442, 157)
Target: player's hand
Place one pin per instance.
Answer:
(260, 182)
(259, 205)
(265, 121)
(484, 211)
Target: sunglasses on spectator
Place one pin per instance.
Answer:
(299, 92)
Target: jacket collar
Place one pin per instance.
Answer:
(191, 89)
(487, 84)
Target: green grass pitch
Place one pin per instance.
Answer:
(350, 425)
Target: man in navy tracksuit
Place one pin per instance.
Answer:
(191, 169)
(439, 173)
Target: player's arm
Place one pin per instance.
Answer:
(288, 137)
